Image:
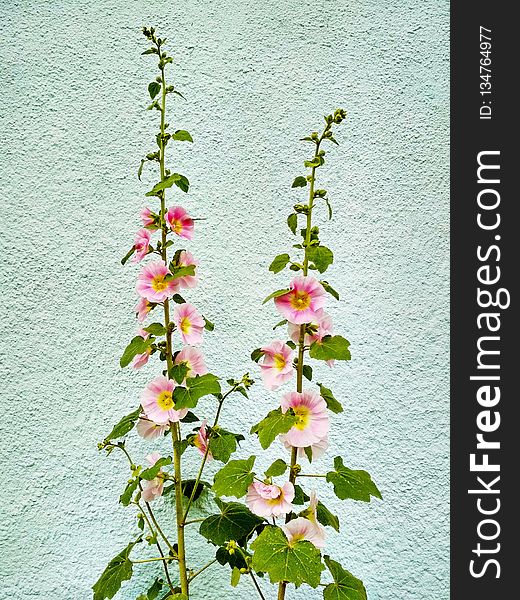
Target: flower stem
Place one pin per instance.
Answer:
(301, 341)
(175, 427)
(211, 562)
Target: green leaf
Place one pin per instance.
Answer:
(329, 207)
(298, 562)
(328, 288)
(125, 425)
(276, 295)
(321, 256)
(196, 388)
(315, 162)
(176, 596)
(299, 182)
(128, 492)
(156, 329)
(279, 263)
(292, 222)
(325, 517)
(300, 497)
(330, 347)
(182, 271)
(356, 485)
(152, 472)
(127, 255)
(345, 586)
(149, 51)
(234, 478)
(280, 323)
(154, 590)
(277, 468)
(208, 325)
(307, 372)
(178, 299)
(164, 184)
(182, 182)
(222, 444)
(190, 418)
(332, 403)
(234, 522)
(182, 136)
(235, 577)
(257, 354)
(179, 372)
(273, 425)
(119, 569)
(189, 484)
(138, 345)
(153, 89)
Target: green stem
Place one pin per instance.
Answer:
(211, 562)
(301, 341)
(305, 475)
(206, 454)
(149, 560)
(175, 427)
(256, 585)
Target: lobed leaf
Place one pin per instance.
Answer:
(330, 347)
(275, 423)
(234, 478)
(182, 136)
(234, 522)
(321, 256)
(119, 569)
(138, 345)
(125, 425)
(345, 586)
(296, 562)
(278, 468)
(196, 388)
(332, 403)
(300, 181)
(348, 483)
(279, 263)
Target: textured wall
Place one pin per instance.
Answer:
(258, 75)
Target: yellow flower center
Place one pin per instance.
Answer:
(158, 283)
(165, 400)
(176, 226)
(300, 300)
(279, 361)
(185, 325)
(302, 417)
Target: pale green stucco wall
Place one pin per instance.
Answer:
(258, 75)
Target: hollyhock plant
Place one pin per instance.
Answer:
(154, 283)
(189, 322)
(158, 404)
(141, 245)
(290, 552)
(202, 439)
(270, 500)
(153, 489)
(276, 366)
(180, 222)
(299, 305)
(193, 359)
(311, 418)
(182, 384)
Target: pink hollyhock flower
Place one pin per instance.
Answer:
(141, 359)
(306, 528)
(201, 440)
(142, 308)
(148, 429)
(148, 218)
(153, 489)
(193, 359)
(141, 245)
(189, 322)
(180, 222)
(318, 449)
(186, 259)
(300, 304)
(152, 283)
(270, 500)
(276, 365)
(312, 419)
(157, 402)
